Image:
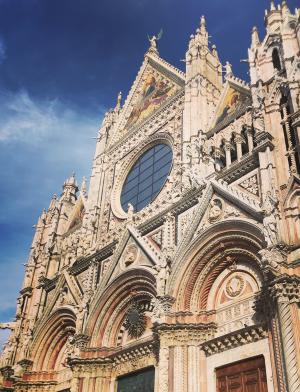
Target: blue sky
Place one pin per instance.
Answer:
(62, 64)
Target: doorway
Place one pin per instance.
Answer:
(142, 381)
(243, 376)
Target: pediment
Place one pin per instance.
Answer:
(156, 83)
(66, 292)
(131, 257)
(219, 209)
(219, 202)
(234, 97)
(249, 185)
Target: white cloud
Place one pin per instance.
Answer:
(4, 333)
(31, 121)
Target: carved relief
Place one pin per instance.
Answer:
(215, 210)
(250, 184)
(129, 256)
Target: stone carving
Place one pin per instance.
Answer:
(270, 211)
(271, 259)
(235, 339)
(215, 210)
(251, 185)
(235, 286)
(161, 305)
(135, 320)
(130, 255)
(153, 40)
(195, 180)
(162, 274)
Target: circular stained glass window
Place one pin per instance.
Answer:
(147, 177)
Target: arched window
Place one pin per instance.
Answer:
(276, 60)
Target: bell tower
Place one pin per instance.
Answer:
(275, 74)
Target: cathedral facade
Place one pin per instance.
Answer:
(178, 269)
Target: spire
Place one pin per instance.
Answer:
(285, 8)
(255, 38)
(201, 35)
(119, 101)
(203, 25)
(53, 202)
(69, 189)
(272, 8)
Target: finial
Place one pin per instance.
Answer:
(203, 25)
(285, 8)
(255, 37)
(214, 51)
(119, 101)
(273, 8)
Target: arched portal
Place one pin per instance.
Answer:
(49, 344)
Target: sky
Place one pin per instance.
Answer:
(62, 64)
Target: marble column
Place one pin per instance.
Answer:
(288, 346)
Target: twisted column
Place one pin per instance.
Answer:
(289, 347)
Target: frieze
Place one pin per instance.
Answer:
(235, 339)
(82, 264)
(238, 169)
(184, 334)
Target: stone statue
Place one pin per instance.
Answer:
(153, 40)
(81, 313)
(162, 274)
(195, 179)
(228, 68)
(270, 211)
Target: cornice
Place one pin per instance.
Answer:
(238, 169)
(235, 339)
(187, 201)
(82, 264)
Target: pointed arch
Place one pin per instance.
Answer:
(206, 257)
(47, 350)
(109, 306)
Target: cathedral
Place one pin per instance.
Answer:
(178, 268)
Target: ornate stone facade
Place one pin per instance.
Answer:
(208, 272)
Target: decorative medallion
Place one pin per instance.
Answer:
(235, 286)
(215, 210)
(135, 321)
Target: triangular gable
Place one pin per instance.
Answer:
(232, 205)
(156, 83)
(132, 246)
(234, 97)
(65, 293)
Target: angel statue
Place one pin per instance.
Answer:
(153, 40)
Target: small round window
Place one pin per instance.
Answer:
(147, 177)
